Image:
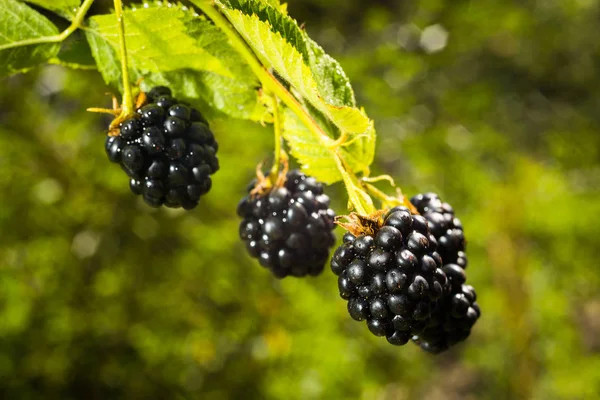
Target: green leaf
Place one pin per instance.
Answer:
(157, 40)
(274, 16)
(277, 4)
(107, 59)
(174, 47)
(236, 95)
(317, 79)
(311, 150)
(19, 22)
(317, 152)
(75, 53)
(65, 8)
(332, 82)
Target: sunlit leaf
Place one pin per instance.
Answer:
(19, 22)
(316, 77)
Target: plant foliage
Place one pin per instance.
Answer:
(170, 44)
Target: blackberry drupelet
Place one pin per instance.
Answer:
(167, 150)
(452, 318)
(446, 228)
(392, 278)
(289, 229)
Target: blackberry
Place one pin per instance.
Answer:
(167, 150)
(289, 229)
(446, 228)
(451, 320)
(392, 278)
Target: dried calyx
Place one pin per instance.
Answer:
(265, 183)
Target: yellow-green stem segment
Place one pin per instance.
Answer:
(390, 201)
(273, 86)
(127, 104)
(75, 24)
(277, 134)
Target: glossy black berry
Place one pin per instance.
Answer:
(451, 320)
(444, 226)
(180, 111)
(167, 151)
(388, 238)
(398, 338)
(392, 278)
(114, 146)
(151, 114)
(358, 309)
(290, 230)
(130, 129)
(165, 101)
(158, 91)
(153, 140)
(175, 126)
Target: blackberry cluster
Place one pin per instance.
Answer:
(407, 280)
(446, 228)
(167, 150)
(392, 279)
(456, 313)
(290, 229)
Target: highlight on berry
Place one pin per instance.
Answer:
(167, 151)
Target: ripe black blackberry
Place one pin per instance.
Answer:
(446, 228)
(290, 228)
(167, 150)
(453, 317)
(392, 278)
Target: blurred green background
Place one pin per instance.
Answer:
(493, 104)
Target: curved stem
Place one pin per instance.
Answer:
(390, 201)
(277, 133)
(278, 90)
(386, 201)
(351, 188)
(75, 24)
(127, 104)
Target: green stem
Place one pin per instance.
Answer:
(272, 85)
(354, 193)
(390, 201)
(386, 201)
(75, 24)
(127, 104)
(277, 133)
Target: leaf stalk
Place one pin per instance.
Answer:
(277, 134)
(127, 103)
